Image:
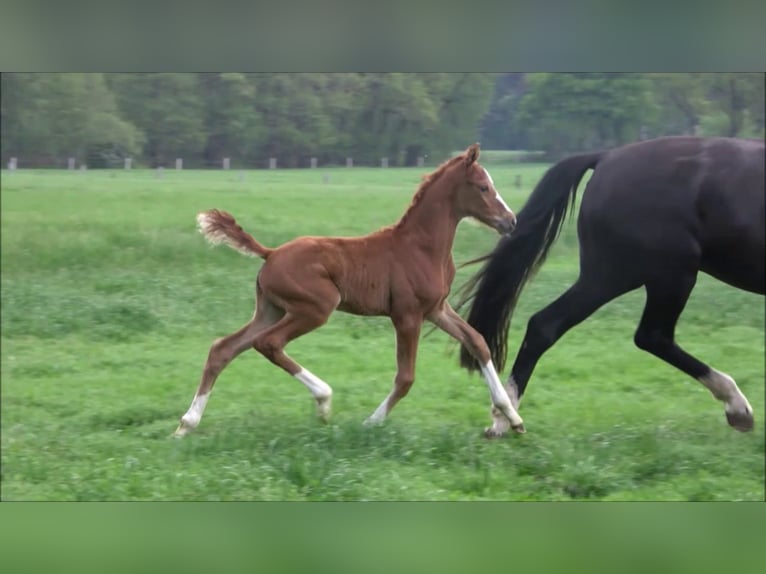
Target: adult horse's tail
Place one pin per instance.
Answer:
(496, 287)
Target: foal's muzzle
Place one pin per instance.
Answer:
(505, 225)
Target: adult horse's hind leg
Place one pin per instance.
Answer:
(222, 352)
(665, 300)
(547, 326)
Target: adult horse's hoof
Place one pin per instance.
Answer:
(742, 420)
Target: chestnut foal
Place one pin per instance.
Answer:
(403, 271)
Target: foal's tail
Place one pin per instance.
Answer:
(496, 287)
(220, 227)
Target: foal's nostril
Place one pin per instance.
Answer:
(505, 225)
(510, 224)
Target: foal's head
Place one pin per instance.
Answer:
(477, 197)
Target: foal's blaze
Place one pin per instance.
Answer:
(403, 271)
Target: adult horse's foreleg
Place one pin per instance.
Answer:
(221, 353)
(453, 324)
(665, 300)
(271, 343)
(407, 334)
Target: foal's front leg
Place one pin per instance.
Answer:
(504, 413)
(407, 334)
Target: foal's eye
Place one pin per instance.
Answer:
(483, 188)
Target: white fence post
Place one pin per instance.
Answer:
(349, 162)
(272, 163)
(83, 167)
(421, 161)
(179, 163)
(384, 162)
(226, 163)
(128, 162)
(313, 162)
(160, 171)
(70, 163)
(12, 163)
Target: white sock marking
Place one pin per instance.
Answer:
(498, 395)
(319, 389)
(380, 413)
(194, 414)
(725, 389)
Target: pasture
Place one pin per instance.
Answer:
(110, 300)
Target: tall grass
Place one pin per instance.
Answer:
(110, 300)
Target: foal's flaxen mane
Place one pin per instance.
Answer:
(428, 180)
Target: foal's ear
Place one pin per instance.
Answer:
(471, 154)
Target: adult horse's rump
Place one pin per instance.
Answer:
(653, 214)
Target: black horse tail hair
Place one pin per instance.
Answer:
(494, 290)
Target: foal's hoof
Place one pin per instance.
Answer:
(490, 433)
(742, 420)
(519, 428)
(181, 431)
(324, 408)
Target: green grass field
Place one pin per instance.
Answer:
(110, 300)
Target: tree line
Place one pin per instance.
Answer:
(249, 117)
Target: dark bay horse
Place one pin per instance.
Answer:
(653, 215)
(403, 271)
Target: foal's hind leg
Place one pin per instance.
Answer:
(222, 352)
(272, 341)
(502, 406)
(665, 300)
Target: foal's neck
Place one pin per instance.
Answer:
(430, 223)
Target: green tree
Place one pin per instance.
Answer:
(54, 116)
(168, 108)
(569, 112)
(739, 98)
(233, 125)
(500, 126)
(680, 101)
(292, 110)
(463, 100)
